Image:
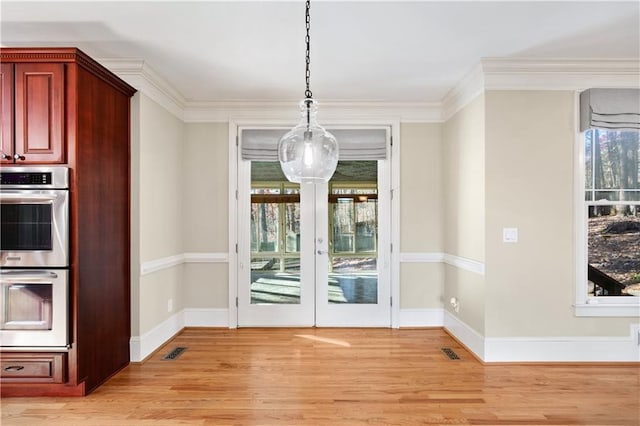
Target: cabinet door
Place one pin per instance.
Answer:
(6, 97)
(39, 113)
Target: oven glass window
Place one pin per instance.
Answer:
(27, 306)
(26, 227)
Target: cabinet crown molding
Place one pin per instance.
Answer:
(64, 55)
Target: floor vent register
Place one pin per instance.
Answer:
(175, 353)
(450, 353)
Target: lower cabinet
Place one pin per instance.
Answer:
(33, 367)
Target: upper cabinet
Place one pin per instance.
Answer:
(33, 113)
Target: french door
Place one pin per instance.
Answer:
(314, 254)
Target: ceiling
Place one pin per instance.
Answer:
(361, 51)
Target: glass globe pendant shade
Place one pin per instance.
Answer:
(308, 153)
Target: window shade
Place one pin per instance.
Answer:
(610, 109)
(353, 144)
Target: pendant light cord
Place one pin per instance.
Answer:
(307, 92)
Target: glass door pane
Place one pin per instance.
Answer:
(353, 280)
(275, 248)
(353, 258)
(275, 243)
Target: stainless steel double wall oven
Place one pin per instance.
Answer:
(34, 257)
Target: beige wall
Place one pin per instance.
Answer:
(161, 181)
(421, 188)
(463, 163)
(469, 288)
(205, 194)
(155, 290)
(206, 285)
(530, 285)
(206, 211)
(157, 159)
(421, 284)
(464, 190)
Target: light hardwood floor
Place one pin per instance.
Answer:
(339, 377)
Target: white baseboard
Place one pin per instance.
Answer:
(546, 349)
(205, 317)
(473, 340)
(421, 317)
(565, 349)
(142, 346)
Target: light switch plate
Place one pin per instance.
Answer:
(509, 235)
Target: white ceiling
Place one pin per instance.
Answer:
(387, 51)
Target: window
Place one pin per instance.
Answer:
(610, 219)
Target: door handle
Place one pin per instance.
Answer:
(26, 275)
(322, 252)
(18, 197)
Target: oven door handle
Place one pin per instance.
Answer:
(15, 276)
(17, 198)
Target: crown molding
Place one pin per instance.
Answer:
(471, 85)
(488, 74)
(540, 74)
(146, 80)
(559, 74)
(224, 111)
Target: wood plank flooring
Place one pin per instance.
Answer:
(339, 377)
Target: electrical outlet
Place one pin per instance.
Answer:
(170, 305)
(455, 304)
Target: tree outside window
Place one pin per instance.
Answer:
(612, 199)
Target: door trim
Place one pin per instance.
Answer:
(234, 126)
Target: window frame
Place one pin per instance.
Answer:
(585, 305)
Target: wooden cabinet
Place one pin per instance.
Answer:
(7, 99)
(61, 107)
(33, 367)
(32, 113)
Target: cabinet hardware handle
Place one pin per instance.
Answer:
(5, 156)
(14, 368)
(18, 157)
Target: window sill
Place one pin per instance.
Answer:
(595, 308)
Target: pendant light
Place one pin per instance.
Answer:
(308, 153)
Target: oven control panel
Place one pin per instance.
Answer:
(25, 178)
(34, 177)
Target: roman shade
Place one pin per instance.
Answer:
(353, 144)
(617, 109)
